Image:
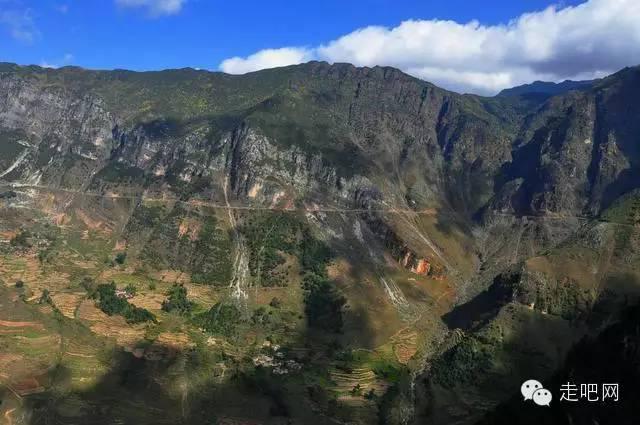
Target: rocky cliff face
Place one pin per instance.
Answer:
(577, 153)
(63, 138)
(324, 127)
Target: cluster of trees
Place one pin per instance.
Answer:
(210, 261)
(323, 302)
(45, 298)
(131, 290)
(118, 260)
(121, 257)
(21, 239)
(112, 304)
(222, 318)
(206, 258)
(270, 235)
(177, 301)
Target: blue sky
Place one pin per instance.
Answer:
(158, 34)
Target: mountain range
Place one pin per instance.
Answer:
(414, 254)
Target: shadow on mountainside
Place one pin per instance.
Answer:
(613, 357)
(485, 306)
(187, 386)
(506, 343)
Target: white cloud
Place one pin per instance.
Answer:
(268, 58)
(20, 25)
(67, 59)
(585, 41)
(155, 7)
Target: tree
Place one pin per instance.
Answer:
(21, 239)
(111, 304)
(220, 319)
(45, 298)
(177, 300)
(131, 290)
(356, 390)
(275, 302)
(121, 257)
(323, 303)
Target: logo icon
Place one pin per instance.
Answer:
(542, 397)
(533, 390)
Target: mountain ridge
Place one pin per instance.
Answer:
(547, 88)
(538, 85)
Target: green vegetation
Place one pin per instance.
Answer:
(10, 149)
(147, 216)
(356, 390)
(323, 302)
(222, 319)
(21, 239)
(112, 304)
(268, 237)
(625, 210)
(442, 152)
(565, 299)
(210, 259)
(8, 194)
(198, 183)
(314, 254)
(89, 285)
(462, 363)
(275, 302)
(120, 173)
(48, 241)
(45, 298)
(177, 301)
(121, 257)
(204, 250)
(159, 230)
(265, 318)
(130, 290)
(371, 395)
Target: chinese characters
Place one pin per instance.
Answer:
(590, 392)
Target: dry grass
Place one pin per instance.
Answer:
(175, 339)
(28, 269)
(114, 327)
(190, 227)
(92, 223)
(405, 345)
(171, 276)
(562, 268)
(150, 301)
(371, 319)
(67, 302)
(6, 236)
(17, 325)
